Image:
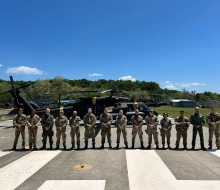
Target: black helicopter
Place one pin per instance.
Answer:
(96, 103)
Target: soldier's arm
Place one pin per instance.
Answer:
(142, 122)
(208, 120)
(42, 121)
(117, 122)
(132, 120)
(25, 121)
(124, 122)
(78, 122)
(51, 122)
(66, 123)
(170, 125)
(94, 121)
(218, 121)
(85, 122)
(187, 121)
(177, 122)
(192, 120)
(110, 121)
(28, 121)
(156, 122)
(38, 123)
(101, 120)
(203, 121)
(15, 124)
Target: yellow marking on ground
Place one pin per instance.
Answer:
(81, 167)
(99, 135)
(27, 147)
(5, 137)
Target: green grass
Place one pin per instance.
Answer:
(174, 112)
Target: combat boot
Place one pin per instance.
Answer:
(142, 145)
(43, 147)
(218, 147)
(86, 146)
(132, 145)
(177, 147)
(57, 148)
(93, 145)
(110, 145)
(149, 146)
(51, 146)
(64, 147)
(102, 145)
(163, 146)
(30, 147)
(117, 145)
(126, 145)
(157, 147)
(73, 146)
(185, 148)
(203, 148)
(169, 147)
(78, 146)
(210, 147)
(14, 147)
(193, 148)
(23, 148)
(35, 148)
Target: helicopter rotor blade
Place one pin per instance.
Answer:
(5, 92)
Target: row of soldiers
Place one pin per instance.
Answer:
(47, 122)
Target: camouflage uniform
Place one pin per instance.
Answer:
(33, 120)
(181, 130)
(47, 121)
(61, 122)
(166, 124)
(121, 121)
(75, 122)
(197, 119)
(213, 117)
(19, 120)
(89, 120)
(137, 120)
(152, 120)
(106, 118)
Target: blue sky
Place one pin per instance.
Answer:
(175, 43)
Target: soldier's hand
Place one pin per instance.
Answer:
(74, 128)
(89, 126)
(151, 126)
(136, 127)
(60, 128)
(214, 124)
(184, 123)
(19, 126)
(47, 128)
(33, 126)
(121, 128)
(197, 126)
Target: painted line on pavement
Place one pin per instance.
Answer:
(4, 152)
(14, 174)
(73, 184)
(215, 152)
(146, 170)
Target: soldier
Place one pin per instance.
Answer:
(151, 122)
(121, 122)
(165, 130)
(213, 120)
(197, 120)
(47, 123)
(182, 125)
(137, 122)
(61, 123)
(74, 124)
(19, 122)
(106, 120)
(33, 122)
(89, 123)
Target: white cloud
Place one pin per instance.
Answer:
(1, 65)
(95, 75)
(177, 85)
(24, 70)
(127, 78)
(186, 85)
(170, 86)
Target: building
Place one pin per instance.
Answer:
(183, 103)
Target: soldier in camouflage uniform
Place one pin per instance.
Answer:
(106, 120)
(213, 120)
(74, 124)
(182, 125)
(197, 120)
(152, 122)
(19, 122)
(165, 130)
(89, 122)
(61, 123)
(33, 122)
(47, 123)
(137, 122)
(121, 122)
